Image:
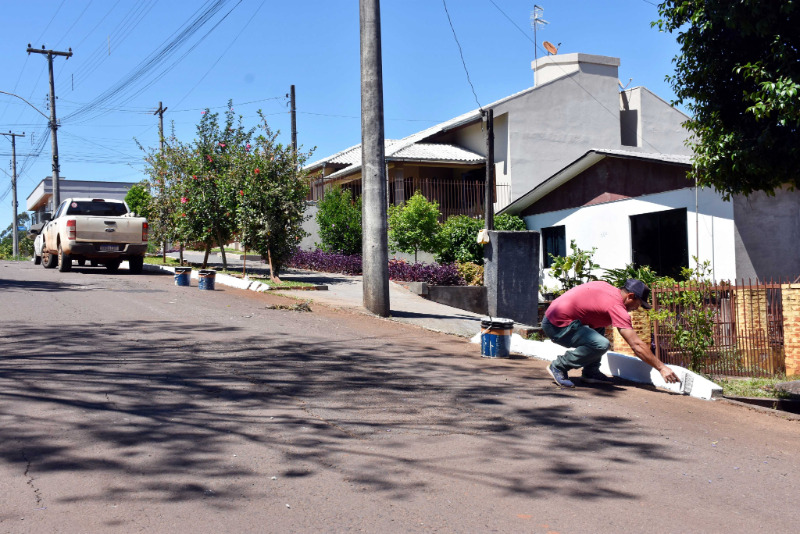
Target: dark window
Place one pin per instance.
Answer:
(660, 241)
(554, 242)
(96, 207)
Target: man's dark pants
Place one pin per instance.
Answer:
(588, 345)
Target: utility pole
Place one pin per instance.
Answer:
(488, 208)
(53, 123)
(15, 240)
(294, 120)
(375, 248)
(160, 112)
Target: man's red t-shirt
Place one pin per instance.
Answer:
(595, 304)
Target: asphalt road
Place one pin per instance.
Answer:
(128, 404)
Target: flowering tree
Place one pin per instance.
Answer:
(272, 194)
(227, 184)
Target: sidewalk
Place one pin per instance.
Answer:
(346, 292)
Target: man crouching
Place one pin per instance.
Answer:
(578, 319)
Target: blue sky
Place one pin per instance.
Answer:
(129, 56)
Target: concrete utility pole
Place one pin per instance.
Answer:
(53, 123)
(375, 248)
(488, 208)
(15, 239)
(294, 120)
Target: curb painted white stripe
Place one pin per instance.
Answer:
(621, 365)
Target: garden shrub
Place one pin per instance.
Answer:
(472, 273)
(339, 220)
(434, 273)
(414, 226)
(459, 240)
(326, 262)
(506, 223)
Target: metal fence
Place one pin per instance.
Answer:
(455, 197)
(746, 327)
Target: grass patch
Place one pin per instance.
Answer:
(753, 387)
(285, 284)
(158, 260)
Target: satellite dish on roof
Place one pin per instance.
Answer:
(550, 48)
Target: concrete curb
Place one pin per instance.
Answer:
(224, 279)
(623, 366)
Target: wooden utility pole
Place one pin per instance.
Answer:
(15, 241)
(488, 209)
(375, 248)
(53, 123)
(294, 120)
(160, 112)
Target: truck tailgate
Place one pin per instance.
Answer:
(109, 229)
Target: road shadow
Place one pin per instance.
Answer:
(315, 401)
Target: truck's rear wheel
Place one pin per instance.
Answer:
(64, 260)
(112, 265)
(135, 264)
(49, 261)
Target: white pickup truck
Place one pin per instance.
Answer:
(103, 231)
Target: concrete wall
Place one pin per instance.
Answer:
(559, 121)
(767, 230)
(607, 227)
(511, 276)
(657, 125)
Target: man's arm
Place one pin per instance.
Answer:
(644, 353)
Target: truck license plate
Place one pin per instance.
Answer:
(109, 248)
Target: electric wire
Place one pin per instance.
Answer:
(571, 78)
(203, 77)
(145, 68)
(461, 53)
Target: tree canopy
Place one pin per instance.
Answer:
(738, 74)
(229, 183)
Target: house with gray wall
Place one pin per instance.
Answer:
(576, 105)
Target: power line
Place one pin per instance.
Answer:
(461, 53)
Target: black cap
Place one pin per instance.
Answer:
(640, 289)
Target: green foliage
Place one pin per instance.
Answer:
(507, 223)
(339, 220)
(574, 269)
(138, 200)
(472, 273)
(271, 199)
(227, 184)
(414, 226)
(459, 240)
(24, 243)
(687, 315)
(617, 277)
(738, 74)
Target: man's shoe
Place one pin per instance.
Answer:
(560, 377)
(596, 377)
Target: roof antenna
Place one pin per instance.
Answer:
(623, 87)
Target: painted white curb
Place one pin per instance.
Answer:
(219, 278)
(621, 365)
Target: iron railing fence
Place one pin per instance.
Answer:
(455, 197)
(747, 330)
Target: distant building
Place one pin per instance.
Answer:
(40, 200)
